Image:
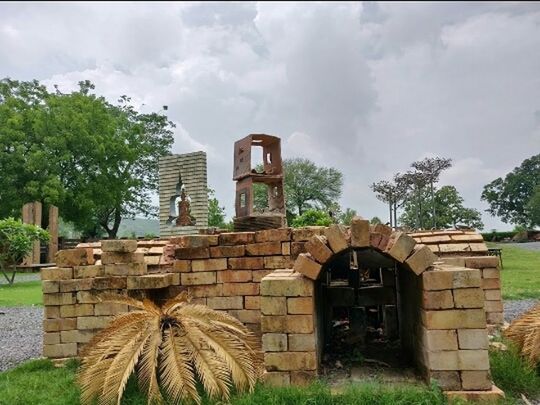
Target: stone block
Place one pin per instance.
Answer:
(318, 249)
(286, 248)
(421, 258)
(181, 266)
(84, 310)
(454, 247)
(304, 342)
(192, 253)
(225, 302)
(274, 342)
(438, 340)
(273, 305)
(273, 323)
(491, 273)
(58, 299)
(56, 325)
(287, 286)
(95, 270)
(236, 238)
(493, 306)
(247, 263)
(443, 360)
(273, 235)
(93, 322)
(68, 311)
(435, 239)
(51, 311)
(228, 251)
(481, 262)
(297, 248)
(359, 232)
(437, 299)
(305, 265)
(240, 289)
(198, 278)
(51, 338)
(473, 360)
(302, 378)
(109, 283)
(234, 276)
(277, 378)
(74, 257)
(491, 284)
(191, 241)
(400, 246)
(258, 275)
(56, 273)
(203, 291)
(247, 316)
(209, 265)
(304, 234)
(59, 351)
(108, 308)
(125, 269)
(263, 249)
(278, 262)
(468, 298)
(117, 257)
(299, 324)
(454, 319)
(489, 396)
(444, 278)
(300, 305)
(337, 238)
(86, 297)
(121, 246)
(252, 302)
(81, 284)
(495, 318)
(286, 361)
(473, 339)
(476, 380)
(50, 286)
(492, 295)
(447, 380)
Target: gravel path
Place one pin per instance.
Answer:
(21, 277)
(512, 309)
(535, 246)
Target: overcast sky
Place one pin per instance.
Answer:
(363, 87)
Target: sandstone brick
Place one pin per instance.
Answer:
(58, 299)
(278, 262)
(51, 338)
(493, 306)
(285, 361)
(478, 247)
(359, 232)
(274, 342)
(116, 257)
(302, 378)
(246, 315)
(495, 318)
(452, 261)
(95, 270)
(234, 276)
(476, 380)
(252, 302)
(443, 360)
(228, 251)
(109, 283)
(50, 286)
(86, 297)
(74, 257)
(337, 238)
(299, 324)
(125, 269)
(192, 253)
(273, 323)
(263, 249)
(55, 325)
(472, 339)
(273, 305)
(491, 284)
(297, 248)
(420, 259)
(240, 289)
(492, 295)
(304, 234)
(304, 342)
(435, 239)
(181, 266)
(198, 278)
(481, 262)
(491, 273)
(487, 396)
(468, 298)
(273, 235)
(51, 311)
(68, 311)
(447, 380)
(437, 340)
(191, 241)
(445, 278)
(400, 246)
(69, 336)
(318, 249)
(107, 308)
(62, 350)
(84, 310)
(258, 275)
(277, 378)
(300, 305)
(202, 291)
(287, 286)
(473, 360)
(437, 299)
(236, 238)
(454, 319)
(121, 246)
(56, 273)
(454, 247)
(93, 322)
(305, 265)
(209, 265)
(252, 263)
(225, 302)
(286, 248)
(80, 284)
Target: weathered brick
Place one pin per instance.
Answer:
(150, 281)
(201, 291)
(246, 315)
(225, 302)
(447, 380)
(121, 246)
(125, 269)
(297, 248)
(454, 247)
(468, 298)
(198, 278)
(435, 239)
(252, 302)
(437, 340)
(273, 235)
(86, 297)
(59, 351)
(278, 262)
(181, 266)
(228, 251)
(80, 284)
(491, 284)
(107, 308)
(84, 310)
(240, 289)
(209, 265)
(273, 305)
(284, 361)
(93, 322)
(496, 318)
(300, 305)
(304, 234)
(299, 324)
(263, 249)
(236, 238)
(318, 248)
(234, 276)
(51, 338)
(277, 378)
(56, 273)
(287, 286)
(116, 257)
(191, 241)
(273, 323)
(473, 360)
(95, 270)
(109, 283)
(55, 325)
(420, 259)
(74, 257)
(491, 273)
(305, 265)
(258, 275)
(400, 246)
(492, 295)
(472, 338)
(445, 278)
(274, 342)
(302, 378)
(192, 253)
(481, 262)
(58, 299)
(337, 238)
(251, 263)
(50, 286)
(437, 299)
(304, 342)
(476, 380)
(51, 311)
(493, 306)
(443, 360)
(454, 319)
(286, 248)
(68, 311)
(359, 232)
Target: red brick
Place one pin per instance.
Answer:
(240, 289)
(234, 276)
(236, 238)
(228, 251)
(251, 263)
(263, 249)
(273, 235)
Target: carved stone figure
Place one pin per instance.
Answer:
(184, 216)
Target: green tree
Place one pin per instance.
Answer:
(96, 161)
(508, 197)
(312, 217)
(216, 213)
(346, 217)
(533, 208)
(375, 221)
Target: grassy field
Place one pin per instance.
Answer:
(21, 293)
(521, 273)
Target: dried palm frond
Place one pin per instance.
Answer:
(170, 348)
(525, 333)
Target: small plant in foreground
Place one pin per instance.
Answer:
(170, 347)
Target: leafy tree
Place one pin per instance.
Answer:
(393, 193)
(533, 208)
(508, 197)
(16, 242)
(96, 161)
(216, 213)
(375, 221)
(312, 217)
(346, 217)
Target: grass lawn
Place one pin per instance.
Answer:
(22, 293)
(521, 273)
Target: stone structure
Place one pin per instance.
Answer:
(32, 214)
(183, 175)
(272, 280)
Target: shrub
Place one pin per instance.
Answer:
(312, 218)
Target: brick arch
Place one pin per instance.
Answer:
(336, 239)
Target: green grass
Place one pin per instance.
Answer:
(19, 294)
(520, 277)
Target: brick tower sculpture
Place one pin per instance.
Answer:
(246, 176)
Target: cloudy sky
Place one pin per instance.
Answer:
(363, 87)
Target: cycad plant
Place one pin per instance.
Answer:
(525, 333)
(170, 348)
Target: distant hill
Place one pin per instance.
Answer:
(139, 227)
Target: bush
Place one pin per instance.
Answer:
(16, 240)
(312, 218)
(497, 236)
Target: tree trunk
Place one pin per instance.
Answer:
(395, 215)
(390, 206)
(111, 232)
(433, 207)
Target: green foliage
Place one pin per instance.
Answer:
(508, 198)
(96, 161)
(312, 217)
(532, 208)
(495, 236)
(25, 293)
(375, 221)
(346, 217)
(216, 213)
(16, 240)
